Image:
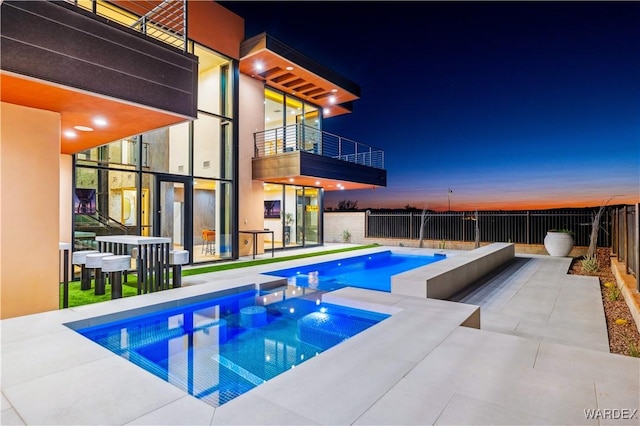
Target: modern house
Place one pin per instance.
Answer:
(158, 118)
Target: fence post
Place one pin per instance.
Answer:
(636, 245)
(625, 232)
(528, 228)
(411, 225)
(366, 224)
(614, 231)
(464, 228)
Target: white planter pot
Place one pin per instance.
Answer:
(558, 243)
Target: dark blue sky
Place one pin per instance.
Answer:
(510, 104)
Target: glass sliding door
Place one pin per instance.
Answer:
(206, 245)
(291, 218)
(172, 204)
(293, 213)
(308, 209)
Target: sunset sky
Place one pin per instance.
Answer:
(511, 105)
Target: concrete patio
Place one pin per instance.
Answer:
(540, 357)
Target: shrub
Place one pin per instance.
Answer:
(614, 293)
(346, 236)
(590, 265)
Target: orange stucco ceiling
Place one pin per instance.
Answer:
(326, 184)
(78, 108)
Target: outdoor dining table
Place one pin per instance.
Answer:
(152, 260)
(255, 233)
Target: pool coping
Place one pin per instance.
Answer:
(73, 362)
(416, 367)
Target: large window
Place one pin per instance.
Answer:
(174, 181)
(106, 201)
(290, 124)
(212, 147)
(214, 78)
(122, 154)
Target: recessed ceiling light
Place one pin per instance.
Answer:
(332, 99)
(290, 179)
(100, 122)
(83, 128)
(334, 90)
(289, 68)
(70, 134)
(325, 110)
(259, 66)
(317, 182)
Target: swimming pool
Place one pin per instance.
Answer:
(220, 348)
(372, 271)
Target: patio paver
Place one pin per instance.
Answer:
(532, 362)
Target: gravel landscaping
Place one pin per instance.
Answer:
(624, 337)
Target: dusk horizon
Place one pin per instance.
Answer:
(510, 105)
(470, 207)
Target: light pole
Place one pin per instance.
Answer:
(449, 195)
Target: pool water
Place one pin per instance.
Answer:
(372, 271)
(219, 349)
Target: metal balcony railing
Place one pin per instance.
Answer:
(165, 20)
(299, 137)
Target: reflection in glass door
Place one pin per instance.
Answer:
(296, 222)
(206, 196)
(308, 209)
(291, 218)
(173, 204)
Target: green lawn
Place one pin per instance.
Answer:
(79, 297)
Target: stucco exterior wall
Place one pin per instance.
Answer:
(336, 223)
(29, 210)
(215, 26)
(66, 198)
(251, 193)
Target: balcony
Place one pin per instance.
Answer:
(165, 20)
(95, 66)
(306, 155)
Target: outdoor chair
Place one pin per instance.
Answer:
(208, 241)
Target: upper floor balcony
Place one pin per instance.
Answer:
(306, 155)
(164, 20)
(82, 60)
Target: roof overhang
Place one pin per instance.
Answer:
(78, 108)
(282, 67)
(59, 57)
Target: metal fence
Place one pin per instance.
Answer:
(625, 236)
(524, 227)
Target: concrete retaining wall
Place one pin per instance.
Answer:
(447, 277)
(627, 285)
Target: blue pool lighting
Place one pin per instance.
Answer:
(220, 348)
(367, 271)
